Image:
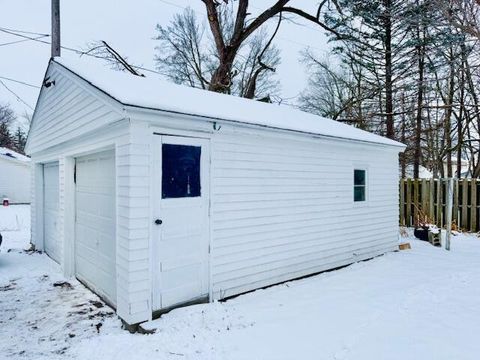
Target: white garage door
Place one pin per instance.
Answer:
(50, 225)
(95, 223)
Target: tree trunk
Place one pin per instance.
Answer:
(222, 77)
(418, 123)
(459, 123)
(448, 115)
(387, 20)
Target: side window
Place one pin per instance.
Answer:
(359, 185)
(180, 171)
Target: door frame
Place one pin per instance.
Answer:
(156, 179)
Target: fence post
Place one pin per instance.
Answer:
(449, 199)
(455, 216)
(415, 201)
(431, 204)
(473, 205)
(464, 204)
(438, 218)
(409, 203)
(402, 202)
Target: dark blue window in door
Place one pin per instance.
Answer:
(180, 171)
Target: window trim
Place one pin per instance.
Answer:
(366, 186)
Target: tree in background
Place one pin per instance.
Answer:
(237, 55)
(187, 55)
(408, 70)
(228, 44)
(7, 116)
(11, 141)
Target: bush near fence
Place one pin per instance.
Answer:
(428, 196)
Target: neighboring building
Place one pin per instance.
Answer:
(157, 195)
(15, 171)
(424, 173)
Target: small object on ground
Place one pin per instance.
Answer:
(1, 239)
(434, 238)
(404, 246)
(421, 233)
(96, 303)
(98, 326)
(148, 327)
(63, 284)
(6, 201)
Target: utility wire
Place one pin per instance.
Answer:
(15, 94)
(23, 40)
(25, 32)
(19, 82)
(77, 51)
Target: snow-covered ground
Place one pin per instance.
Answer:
(422, 303)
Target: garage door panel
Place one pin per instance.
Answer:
(95, 223)
(51, 210)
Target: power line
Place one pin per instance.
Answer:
(25, 32)
(15, 94)
(77, 51)
(19, 82)
(23, 40)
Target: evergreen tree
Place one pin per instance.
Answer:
(20, 140)
(7, 116)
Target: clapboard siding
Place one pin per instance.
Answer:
(67, 110)
(283, 208)
(15, 180)
(133, 225)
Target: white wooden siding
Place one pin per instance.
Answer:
(73, 119)
(133, 162)
(15, 180)
(283, 208)
(67, 110)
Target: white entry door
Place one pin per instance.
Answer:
(51, 211)
(181, 218)
(95, 259)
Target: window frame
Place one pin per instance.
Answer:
(366, 186)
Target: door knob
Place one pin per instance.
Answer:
(158, 222)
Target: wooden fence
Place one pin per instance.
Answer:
(428, 196)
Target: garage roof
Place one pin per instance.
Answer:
(152, 92)
(8, 154)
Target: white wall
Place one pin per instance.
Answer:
(15, 180)
(282, 207)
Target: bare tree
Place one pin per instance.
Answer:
(187, 55)
(102, 50)
(462, 14)
(228, 45)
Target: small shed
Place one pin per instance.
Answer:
(156, 195)
(15, 170)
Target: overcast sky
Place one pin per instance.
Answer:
(129, 26)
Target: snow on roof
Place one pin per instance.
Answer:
(6, 153)
(153, 92)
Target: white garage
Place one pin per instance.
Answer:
(15, 177)
(51, 211)
(169, 195)
(95, 223)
